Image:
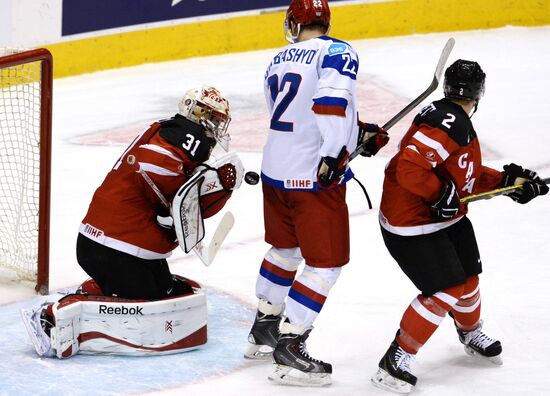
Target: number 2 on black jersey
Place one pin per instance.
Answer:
(294, 81)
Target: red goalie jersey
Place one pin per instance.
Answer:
(440, 145)
(123, 212)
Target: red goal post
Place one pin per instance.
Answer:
(26, 79)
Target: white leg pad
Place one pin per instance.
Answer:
(106, 325)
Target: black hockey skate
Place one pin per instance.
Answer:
(476, 343)
(263, 336)
(394, 371)
(294, 366)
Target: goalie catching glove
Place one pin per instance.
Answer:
(218, 185)
(532, 184)
(372, 138)
(204, 195)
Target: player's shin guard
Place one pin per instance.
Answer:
(308, 294)
(274, 280)
(466, 314)
(423, 317)
(277, 274)
(467, 311)
(293, 364)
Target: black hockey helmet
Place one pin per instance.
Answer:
(464, 80)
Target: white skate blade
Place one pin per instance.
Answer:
(493, 359)
(39, 339)
(285, 375)
(384, 380)
(258, 352)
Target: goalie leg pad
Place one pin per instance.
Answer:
(108, 325)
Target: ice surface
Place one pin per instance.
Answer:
(95, 114)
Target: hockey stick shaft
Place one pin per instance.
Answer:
(154, 187)
(431, 88)
(496, 192)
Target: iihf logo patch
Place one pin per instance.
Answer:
(430, 155)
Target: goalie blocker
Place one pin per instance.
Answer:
(95, 324)
(204, 195)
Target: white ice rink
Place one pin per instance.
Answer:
(96, 114)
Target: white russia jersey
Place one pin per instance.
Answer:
(310, 93)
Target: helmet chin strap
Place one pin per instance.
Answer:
(288, 33)
(475, 108)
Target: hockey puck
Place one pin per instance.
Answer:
(251, 178)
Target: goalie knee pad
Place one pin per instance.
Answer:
(108, 325)
(90, 286)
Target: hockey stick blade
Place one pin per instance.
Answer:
(496, 192)
(208, 253)
(432, 87)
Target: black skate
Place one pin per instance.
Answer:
(263, 336)
(394, 373)
(294, 366)
(476, 343)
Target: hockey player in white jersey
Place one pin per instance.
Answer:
(310, 93)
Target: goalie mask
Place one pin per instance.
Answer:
(207, 107)
(306, 13)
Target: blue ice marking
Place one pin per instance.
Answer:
(23, 372)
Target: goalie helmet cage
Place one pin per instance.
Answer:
(26, 79)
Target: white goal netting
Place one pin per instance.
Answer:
(20, 112)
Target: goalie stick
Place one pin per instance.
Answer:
(407, 109)
(205, 253)
(496, 192)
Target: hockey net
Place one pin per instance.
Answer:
(25, 147)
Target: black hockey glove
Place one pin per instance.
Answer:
(448, 204)
(372, 137)
(533, 186)
(331, 170)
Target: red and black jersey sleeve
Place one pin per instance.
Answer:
(437, 132)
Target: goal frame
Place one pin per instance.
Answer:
(45, 58)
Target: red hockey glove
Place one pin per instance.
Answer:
(448, 204)
(228, 176)
(332, 170)
(533, 186)
(372, 137)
